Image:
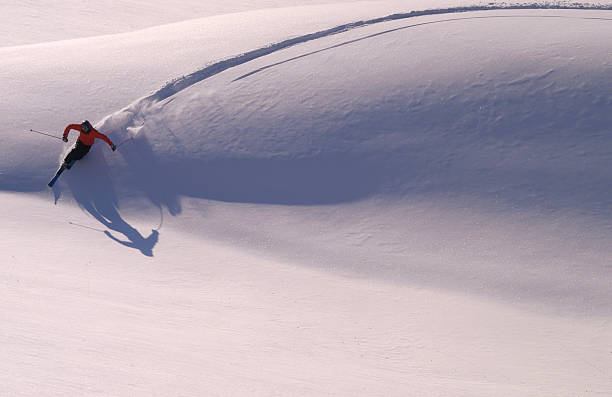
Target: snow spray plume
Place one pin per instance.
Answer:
(44, 133)
(120, 144)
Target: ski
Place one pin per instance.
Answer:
(52, 181)
(59, 172)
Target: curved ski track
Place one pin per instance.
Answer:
(132, 116)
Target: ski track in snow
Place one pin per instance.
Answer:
(132, 117)
(413, 26)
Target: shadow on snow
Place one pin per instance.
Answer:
(320, 179)
(91, 186)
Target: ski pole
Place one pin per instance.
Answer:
(43, 133)
(86, 227)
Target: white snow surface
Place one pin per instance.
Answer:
(308, 199)
(28, 22)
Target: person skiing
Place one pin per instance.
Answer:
(84, 142)
(86, 139)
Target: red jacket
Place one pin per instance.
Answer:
(87, 139)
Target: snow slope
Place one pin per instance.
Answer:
(419, 205)
(69, 73)
(476, 136)
(30, 22)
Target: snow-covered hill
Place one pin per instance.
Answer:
(410, 204)
(33, 22)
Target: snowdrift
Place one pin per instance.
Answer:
(512, 131)
(454, 159)
(509, 122)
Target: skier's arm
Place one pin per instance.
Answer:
(71, 127)
(100, 135)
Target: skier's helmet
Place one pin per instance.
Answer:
(85, 127)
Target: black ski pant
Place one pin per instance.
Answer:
(78, 152)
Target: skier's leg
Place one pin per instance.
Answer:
(77, 153)
(71, 155)
(80, 150)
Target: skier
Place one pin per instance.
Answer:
(86, 139)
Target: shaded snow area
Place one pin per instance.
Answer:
(350, 199)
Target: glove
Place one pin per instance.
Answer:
(113, 147)
(65, 138)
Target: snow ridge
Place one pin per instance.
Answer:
(131, 117)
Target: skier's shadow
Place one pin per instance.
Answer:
(92, 188)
